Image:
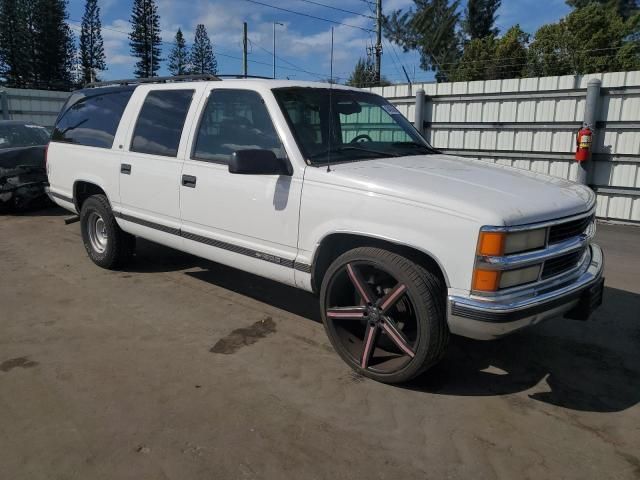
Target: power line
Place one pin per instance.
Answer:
(308, 15)
(337, 8)
(217, 53)
(319, 75)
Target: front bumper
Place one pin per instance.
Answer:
(489, 318)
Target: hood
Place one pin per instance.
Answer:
(489, 193)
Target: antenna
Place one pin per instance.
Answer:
(330, 106)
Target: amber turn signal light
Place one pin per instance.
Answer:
(486, 280)
(491, 243)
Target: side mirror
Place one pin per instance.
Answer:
(258, 162)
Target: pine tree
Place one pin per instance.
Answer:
(624, 8)
(91, 44)
(145, 38)
(202, 58)
(54, 45)
(431, 29)
(15, 67)
(480, 18)
(362, 75)
(179, 57)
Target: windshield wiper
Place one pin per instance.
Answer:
(415, 145)
(345, 148)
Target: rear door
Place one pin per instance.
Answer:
(247, 221)
(151, 163)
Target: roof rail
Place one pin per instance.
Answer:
(134, 81)
(240, 75)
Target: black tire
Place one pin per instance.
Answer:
(424, 328)
(115, 247)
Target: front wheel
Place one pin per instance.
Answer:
(384, 314)
(105, 242)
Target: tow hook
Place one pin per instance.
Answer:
(72, 219)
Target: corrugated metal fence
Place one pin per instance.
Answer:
(37, 106)
(531, 123)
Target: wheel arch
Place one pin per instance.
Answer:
(335, 244)
(83, 189)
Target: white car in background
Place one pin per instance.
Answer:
(329, 189)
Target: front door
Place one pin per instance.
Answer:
(247, 221)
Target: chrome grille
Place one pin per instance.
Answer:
(561, 264)
(570, 229)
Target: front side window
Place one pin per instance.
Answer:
(347, 125)
(235, 120)
(91, 117)
(160, 122)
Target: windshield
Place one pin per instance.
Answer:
(352, 126)
(22, 135)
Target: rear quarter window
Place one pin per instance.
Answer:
(92, 119)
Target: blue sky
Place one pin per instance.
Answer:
(302, 43)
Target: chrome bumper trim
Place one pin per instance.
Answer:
(519, 260)
(485, 318)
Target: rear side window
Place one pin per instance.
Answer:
(159, 126)
(92, 120)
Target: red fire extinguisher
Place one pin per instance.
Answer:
(583, 144)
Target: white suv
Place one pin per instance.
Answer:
(329, 189)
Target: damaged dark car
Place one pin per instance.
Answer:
(22, 165)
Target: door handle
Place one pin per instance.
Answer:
(125, 168)
(189, 181)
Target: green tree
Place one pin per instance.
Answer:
(480, 18)
(363, 74)
(431, 29)
(15, 66)
(91, 43)
(202, 58)
(588, 40)
(54, 45)
(179, 56)
(476, 61)
(144, 38)
(491, 58)
(625, 8)
(511, 55)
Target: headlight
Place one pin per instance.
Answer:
(524, 241)
(511, 278)
(499, 244)
(496, 244)
(492, 280)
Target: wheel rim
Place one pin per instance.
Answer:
(97, 230)
(372, 317)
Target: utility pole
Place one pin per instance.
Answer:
(244, 49)
(378, 39)
(274, 46)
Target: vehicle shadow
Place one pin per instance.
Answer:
(152, 257)
(586, 366)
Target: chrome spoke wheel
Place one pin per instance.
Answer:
(97, 230)
(372, 318)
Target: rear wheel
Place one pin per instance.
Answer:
(384, 315)
(105, 242)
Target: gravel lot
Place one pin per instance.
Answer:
(178, 368)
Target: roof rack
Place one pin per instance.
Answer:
(176, 78)
(240, 75)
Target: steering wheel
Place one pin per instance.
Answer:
(362, 136)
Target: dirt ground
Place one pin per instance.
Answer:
(178, 368)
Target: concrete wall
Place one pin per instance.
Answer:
(531, 123)
(37, 106)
